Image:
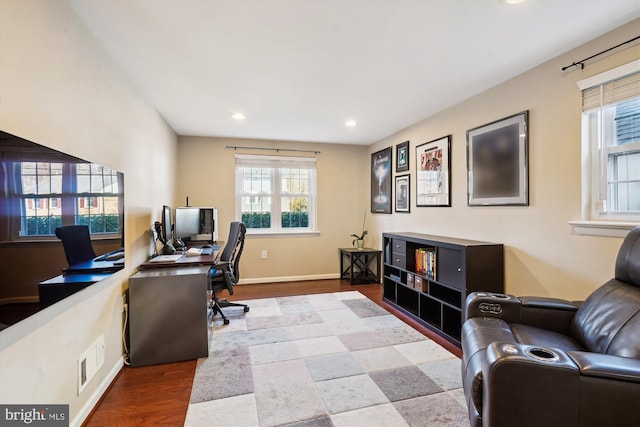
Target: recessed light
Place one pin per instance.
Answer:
(238, 116)
(512, 2)
(350, 123)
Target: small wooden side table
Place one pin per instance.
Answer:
(361, 266)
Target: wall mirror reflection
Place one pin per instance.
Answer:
(42, 189)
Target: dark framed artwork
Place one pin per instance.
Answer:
(381, 181)
(403, 191)
(433, 173)
(402, 157)
(497, 162)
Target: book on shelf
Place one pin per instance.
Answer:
(426, 262)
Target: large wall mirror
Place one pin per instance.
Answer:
(42, 189)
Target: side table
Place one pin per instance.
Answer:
(361, 266)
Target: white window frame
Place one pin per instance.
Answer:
(594, 220)
(276, 163)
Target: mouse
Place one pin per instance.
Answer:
(206, 246)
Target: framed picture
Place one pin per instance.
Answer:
(402, 157)
(497, 162)
(402, 193)
(381, 181)
(433, 173)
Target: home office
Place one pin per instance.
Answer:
(61, 87)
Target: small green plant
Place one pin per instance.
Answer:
(357, 237)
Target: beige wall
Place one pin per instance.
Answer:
(543, 256)
(207, 176)
(58, 88)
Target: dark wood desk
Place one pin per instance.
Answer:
(60, 287)
(184, 261)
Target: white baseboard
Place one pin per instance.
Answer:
(95, 397)
(254, 281)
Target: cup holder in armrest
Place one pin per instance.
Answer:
(542, 354)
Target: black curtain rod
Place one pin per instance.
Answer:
(582, 61)
(277, 150)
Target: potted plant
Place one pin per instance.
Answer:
(358, 239)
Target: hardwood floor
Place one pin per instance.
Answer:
(158, 395)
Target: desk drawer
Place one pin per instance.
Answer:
(399, 246)
(399, 260)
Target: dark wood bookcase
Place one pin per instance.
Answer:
(437, 299)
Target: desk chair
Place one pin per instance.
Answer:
(76, 242)
(226, 273)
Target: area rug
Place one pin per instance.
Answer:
(334, 359)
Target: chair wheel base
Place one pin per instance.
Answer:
(225, 321)
(246, 309)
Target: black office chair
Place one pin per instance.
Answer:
(76, 242)
(226, 273)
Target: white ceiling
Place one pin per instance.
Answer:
(298, 69)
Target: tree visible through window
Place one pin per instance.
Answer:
(276, 193)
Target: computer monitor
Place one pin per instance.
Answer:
(167, 226)
(196, 224)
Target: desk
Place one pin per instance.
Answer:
(94, 267)
(60, 287)
(168, 315)
(184, 261)
(363, 265)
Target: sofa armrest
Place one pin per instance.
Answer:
(607, 366)
(521, 379)
(491, 304)
(547, 313)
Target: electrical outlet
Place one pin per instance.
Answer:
(264, 254)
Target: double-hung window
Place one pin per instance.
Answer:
(611, 146)
(276, 194)
(47, 195)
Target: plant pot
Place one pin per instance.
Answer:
(360, 244)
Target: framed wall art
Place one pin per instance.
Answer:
(381, 181)
(497, 162)
(402, 157)
(403, 187)
(433, 173)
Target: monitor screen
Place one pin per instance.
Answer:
(187, 222)
(167, 225)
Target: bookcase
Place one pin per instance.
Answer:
(429, 277)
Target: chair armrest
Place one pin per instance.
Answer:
(607, 366)
(547, 313)
(518, 379)
(490, 304)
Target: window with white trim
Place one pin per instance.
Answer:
(276, 194)
(611, 145)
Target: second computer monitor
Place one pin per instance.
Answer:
(196, 224)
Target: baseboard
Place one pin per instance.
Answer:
(19, 300)
(255, 281)
(95, 397)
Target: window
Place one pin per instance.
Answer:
(276, 194)
(50, 195)
(611, 145)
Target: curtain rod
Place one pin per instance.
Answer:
(277, 150)
(582, 61)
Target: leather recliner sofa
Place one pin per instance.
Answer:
(534, 361)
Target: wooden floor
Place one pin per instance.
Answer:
(159, 395)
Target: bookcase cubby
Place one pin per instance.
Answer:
(429, 277)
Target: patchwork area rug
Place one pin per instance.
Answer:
(335, 359)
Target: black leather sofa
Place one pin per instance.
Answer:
(533, 361)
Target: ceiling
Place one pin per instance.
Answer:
(298, 69)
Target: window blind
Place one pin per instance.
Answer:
(252, 160)
(611, 92)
